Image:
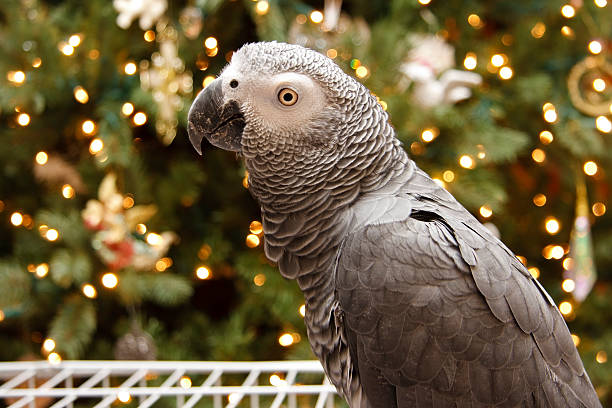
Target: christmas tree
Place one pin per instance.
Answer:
(120, 242)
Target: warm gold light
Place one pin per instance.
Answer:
(96, 146)
(42, 158)
(16, 219)
(567, 263)
(88, 127)
(54, 358)
(285, 340)
(534, 271)
(485, 211)
(36, 62)
(599, 85)
(16, 77)
(141, 229)
(2, 315)
(599, 209)
(128, 202)
(42, 270)
(538, 30)
(601, 3)
(603, 124)
(48, 345)
(185, 382)
(316, 16)
(466, 161)
(52, 234)
(546, 137)
(202, 272)
(361, 71)
(470, 61)
(557, 252)
(538, 155)
(429, 134)
(568, 11)
(424, 2)
(552, 225)
(590, 168)
(154, 239)
(127, 109)
(497, 60)
(474, 20)
(262, 7)
(550, 115)
(140, 118)
(207, 80)
(506, 73)
(256, 228)
(23, 119)
(575, 339)
(67, 191)
(89, 291)
(276, 381)
(302, 310)
(259, 279)
(539, 199)
(110, 280)
(565, 308)
(332, 53)
(601, 357)
(74, 40)
(66, 49)
(448, 176)
(124, 396)
(567, 32)
(129, 68)
(149, 36)
(210, 43)
(252, 240)
(568, 285)
(595, 47)
(80, 94)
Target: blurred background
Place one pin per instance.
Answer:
(118, 241)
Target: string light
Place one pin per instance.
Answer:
(23, 119)
(316, 16)
(466, 161)
(234, 398)
(590, 168)
(474, 20)
(595, 47)
(127, 109)
(252, 240)
(52, 234)
(41, 158)
(448, 176)
(599, 209)
(89, 291)
(80, 94)
(139, 119)
(54, 358)
(259, 279)
(565, 308)
(276, 381)
(361, 72)
(16, 77)
(129, 68)
(2, 315)
(539, 200)
(202, 272)
(485, 211)
(96, 146)
(42, 270)
(16, 219)
(429, 134)
(552, 225)
(210, 43)
(546, 137)
(567, 32)
(575, 339)
(568, 11)
(439, 182)
(149, 36)
(557, 252)
(506, 73)
(154, 239)
(550, 112)
(124, 396)
(262, 7)
(36, 62)
(302, 310)
(185, 382)
(424, 2)
(538, 30)
(470, 61)
(538, 155)
(534, 271)
(568, 285)
(67, 191)
(207, 80)
(48, 345)
(256, 228)
(603, 124)
(332, 53)
(567, 263)
(163, 264)
(110, 280)
(285, 339)
(497, 60)
(599, 85)
(601, 3)
(128, 202)
(74, 40)
(66, 49)
(88, 127)
(601, 357)
(141, 229)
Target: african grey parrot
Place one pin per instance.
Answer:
(410, 301)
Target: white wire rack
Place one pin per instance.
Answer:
(98, 384)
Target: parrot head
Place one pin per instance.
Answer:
(276, 97)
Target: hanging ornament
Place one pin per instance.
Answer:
(147, 11)
(119, 238)
(165, 76)
(135, 345)
(191, 21)
(590, 86)
(331, 11)
(582, 265)
(429, 66)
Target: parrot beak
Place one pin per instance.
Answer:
(221, 123)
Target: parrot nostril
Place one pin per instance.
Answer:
(233, 83)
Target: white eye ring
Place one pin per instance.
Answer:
(287, 96)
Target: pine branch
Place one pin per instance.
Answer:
(73, 326)
(15, 284)
(68, 266)
(164, 289)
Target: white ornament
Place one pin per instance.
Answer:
(149, 12)
(429, 66)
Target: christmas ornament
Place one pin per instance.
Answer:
(117, 239)
(148, 12)
(582, 83)
(135, 345)
(165, 76)
(582, 270)
(331, 11)
(191, 21)
(429, 66)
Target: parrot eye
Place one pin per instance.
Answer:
(287, 96)
(233, 83)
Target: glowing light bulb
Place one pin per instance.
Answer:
(42, 270)
(66, 49)
(567, 32)
(74, 40)
(110, 280)
(448, 176)
(538, 155)
(568, 285)
(534, 271)
(256, 228)
(470, 61)
(474, 20)
(565, 308)
(546, 137)
(259, 279)
(23, 119)
(54, 358)
(42, 158)
(575, 339)
(568, 11)
(124, 396)
(285, 340)
(276, 381)
(16, 219)
(557, 252)
(598, 209)
(601, 3)
(506, 73)
(207, 80)
(603, 124)
(539, 200)
(16, 77)
(590, 168)
(601, 357)
(316, 16)
(96, 146)
(252, 240)
(361, 71)
(466, 161)
(52, 234)
(36, 62)
(185, 382)
(599, 85)
(486, 211)
(88, 127)
(203, 273)
(595, 47)
(538, 30)
(498, 60)
(48, 345)
(139, 119)
(67, 191)
(154, 239)
(127, 109)
(210, 43)
(552, 225)
(89, 291)
(424, 2)
(429, 134)
(80, 94)
(129, 68)
(302, 310)
(149, 36)
(262, 7)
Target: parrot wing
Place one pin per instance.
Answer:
(439, 316)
